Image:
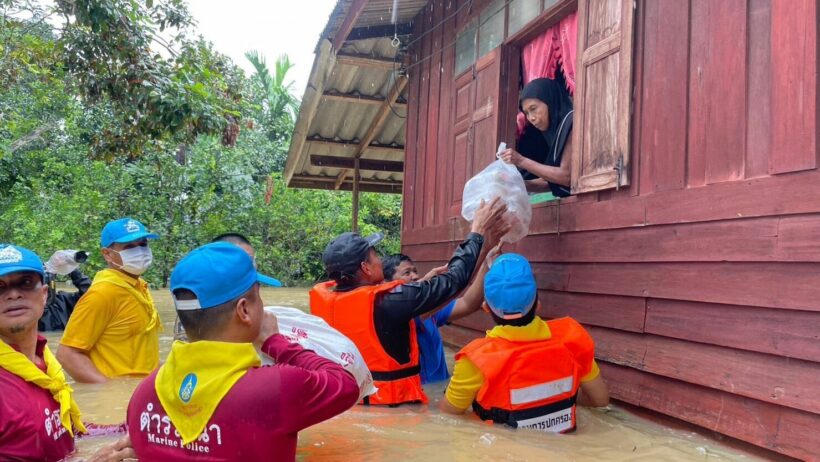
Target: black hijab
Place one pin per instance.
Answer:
(554, 94)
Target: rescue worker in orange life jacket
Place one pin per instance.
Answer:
(526, 373)
(378, 316)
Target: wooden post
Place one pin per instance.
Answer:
(356, 195)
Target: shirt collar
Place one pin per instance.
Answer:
(134, 281)
(537, 329)
(38, 349)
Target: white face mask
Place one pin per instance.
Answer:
(135, 260)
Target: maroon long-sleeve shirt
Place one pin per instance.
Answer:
(259, 417)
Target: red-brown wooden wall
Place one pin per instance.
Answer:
(700, 282)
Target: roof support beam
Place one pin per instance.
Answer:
(354, 143)
(318, 182)
(376, 124)
(356, 9)
(354, 98)
(357, 60)
(350, 163)
(368, 32)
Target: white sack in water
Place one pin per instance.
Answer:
(313, 333)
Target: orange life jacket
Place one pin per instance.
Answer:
(532, 384)
(351, 313)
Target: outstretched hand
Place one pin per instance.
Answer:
(115, 452)
(434, 272)
(491, 221)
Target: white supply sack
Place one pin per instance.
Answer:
(503, 180)
(313, 333)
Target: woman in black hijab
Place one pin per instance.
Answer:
(548, 108)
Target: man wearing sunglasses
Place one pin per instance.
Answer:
(39, 415)
(114, 330)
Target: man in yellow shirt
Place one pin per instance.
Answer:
(114, 330)
(526, 373)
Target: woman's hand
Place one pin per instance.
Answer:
(511, 156)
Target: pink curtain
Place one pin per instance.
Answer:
(542, 56)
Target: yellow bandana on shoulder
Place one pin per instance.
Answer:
(115, 277)
(195, 378)
(52, 380)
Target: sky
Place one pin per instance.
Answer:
(273, 27)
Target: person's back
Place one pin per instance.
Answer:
(526, 372)
(212, 399)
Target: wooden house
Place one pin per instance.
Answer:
(691, 246)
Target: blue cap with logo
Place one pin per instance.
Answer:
(216, 273)
(124, 230)
(509, 286)
(14, 259)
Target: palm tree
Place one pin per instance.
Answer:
(280, 105)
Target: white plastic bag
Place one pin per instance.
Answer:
(313, 333)
(62, 262)
(503, 180)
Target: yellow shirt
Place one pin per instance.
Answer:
(117, 324)
(467, 378)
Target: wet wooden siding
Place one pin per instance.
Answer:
(700, 282)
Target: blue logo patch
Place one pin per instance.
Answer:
(186, 390)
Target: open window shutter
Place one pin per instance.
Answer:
(603, 95)
(475, 127)
(463, 101)
(485, 110)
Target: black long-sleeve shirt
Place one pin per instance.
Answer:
(395, 309)
(61, 304)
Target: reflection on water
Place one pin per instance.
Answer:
(422, 433)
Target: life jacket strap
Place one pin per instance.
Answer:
(399, 374)
(512, 418)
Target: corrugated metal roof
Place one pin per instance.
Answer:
(348, 90)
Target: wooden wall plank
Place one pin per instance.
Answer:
(779, 195)
(777, 428)
(437, 233)
(411, 138)
(787, 333)
(794, 85)
(773, 285)
(753, 239)
(774, 379)
(759, 95)
(664, 96)
(435, 251)
(422, 72)
(717, 92)
(624, 313)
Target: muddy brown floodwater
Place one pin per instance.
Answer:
(421, 433)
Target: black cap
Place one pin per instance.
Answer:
(345, 253)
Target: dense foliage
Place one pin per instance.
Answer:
(95, 124)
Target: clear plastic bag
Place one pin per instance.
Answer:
(313, 333)
(64, 261)
(503, 180)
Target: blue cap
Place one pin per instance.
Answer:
(14, 259)
(269, 281)
(124, 230)
(216, 273)
(509, 286)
